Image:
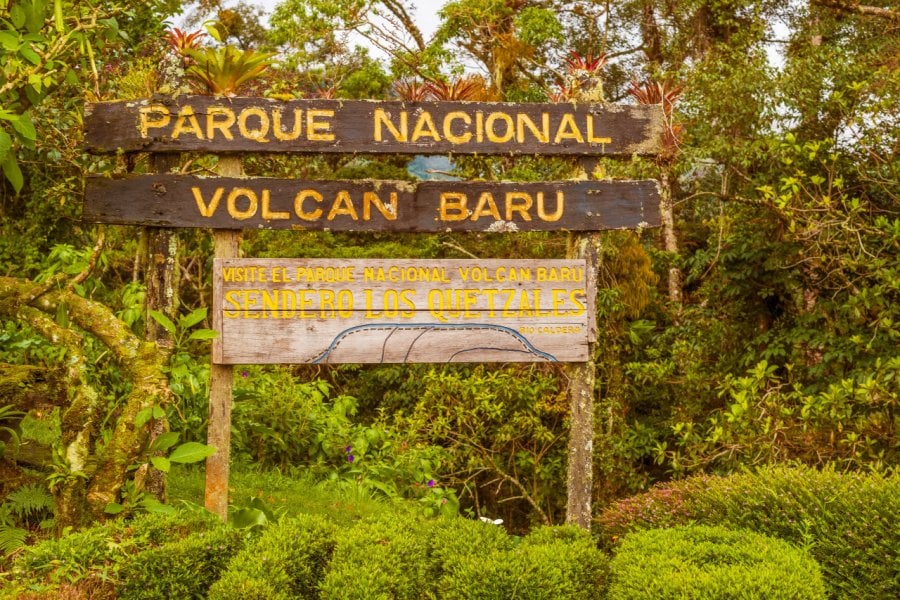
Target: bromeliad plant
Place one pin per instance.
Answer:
(222, 71)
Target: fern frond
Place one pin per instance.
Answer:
(30, 501)
(11, 538)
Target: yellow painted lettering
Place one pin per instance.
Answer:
(383, 118)
(486, 207)
(453, 206)
(232, 298)
(221, 118)
(490, 127)
(454, 138)
(319, 131)
(267, 212)
(518, 202)
(371, 199)
(187, 123)
(302, 195)
(155, 116)
(542, 213)
(590, 132)
(259, 134)
(281, 134)
(207, 210)
(425, 128)
(343, 205)
(252, 203)
(542, 135)
(568, 130)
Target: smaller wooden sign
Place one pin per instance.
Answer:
(401, 311)
(259, 203)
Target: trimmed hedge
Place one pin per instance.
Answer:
(90, 559)
(182, 569)
(549, 564)
(379, 559)
(287, 561)
(847, 522)
(711, 563)
(453, 559)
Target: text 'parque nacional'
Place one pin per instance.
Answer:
(260, 125)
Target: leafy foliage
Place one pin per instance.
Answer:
(711, 562)
(845, 521)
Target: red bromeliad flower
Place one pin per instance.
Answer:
(181, 41)
(412, 90)
(665, 93)
(464, 88)
(590, 64)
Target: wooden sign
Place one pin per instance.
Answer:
(232, 203)
(210, 124)
(400, 311)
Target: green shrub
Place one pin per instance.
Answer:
(846, 521)
(699, 562)
(286, 561)
(551, 563)
(181, 569)
(386, 558)
(99, 550)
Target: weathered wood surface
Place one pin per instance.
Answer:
(400, 311)
(260, 203)
(208, 124)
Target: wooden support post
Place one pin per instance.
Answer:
(227, 245)
(579, 481)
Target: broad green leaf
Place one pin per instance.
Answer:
(204, 334)
(9, 41)
(5, 144)
(30, 55)
(161, 463)
(191, 452)
(163, 320)
(143, 415)
(164, 441)
(247, 517)
(17, 16)
(189, 320)
(152, 505)
(13, 172)
(158, 412)
(25, 127)
(113, 508)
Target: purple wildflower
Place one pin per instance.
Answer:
(431, 483)
(350, 458)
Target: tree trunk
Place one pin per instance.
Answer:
(87, 486)
(162, 295)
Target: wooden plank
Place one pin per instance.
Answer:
(400, 311)
(431, 206)
(209, 124)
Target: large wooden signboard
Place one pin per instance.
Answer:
(259, 203)
(401, 311)
(204, 123)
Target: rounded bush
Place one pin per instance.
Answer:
(286, 561)
(848, 521)
(182, 569)
(714, 563)
(550, 564)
